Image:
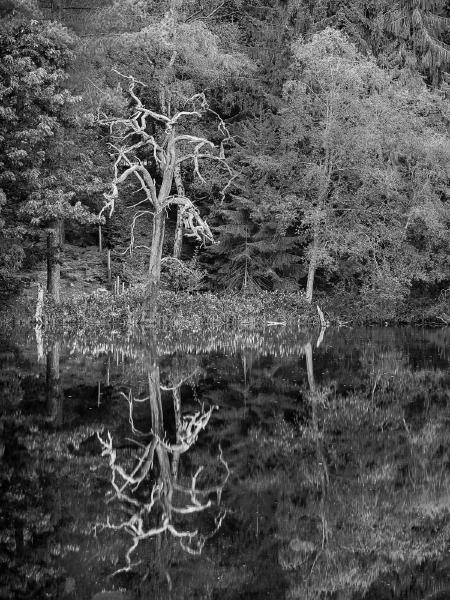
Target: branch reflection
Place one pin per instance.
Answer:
(154, 497)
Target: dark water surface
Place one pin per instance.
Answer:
(232, 466)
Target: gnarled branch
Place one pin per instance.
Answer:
(164, 154)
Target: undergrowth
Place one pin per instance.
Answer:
(180, 310)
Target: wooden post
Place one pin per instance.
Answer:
(109, 265)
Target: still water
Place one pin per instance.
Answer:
(259, 464)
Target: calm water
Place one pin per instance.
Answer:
(232, 466)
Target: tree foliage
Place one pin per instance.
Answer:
(42, 174)
(360, 152)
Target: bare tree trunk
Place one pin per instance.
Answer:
(39, 306)
(154, 269)
(178, 242)
(159, 223)
(310, 368)
(312, 267)
(327, 171)
(54, 261)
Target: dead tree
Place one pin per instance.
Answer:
(164, 153)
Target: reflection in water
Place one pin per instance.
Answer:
(54, 393)
(271, 341)
(151, 493)
(331, 459)
(375, 495)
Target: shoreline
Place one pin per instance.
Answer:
(102, 310)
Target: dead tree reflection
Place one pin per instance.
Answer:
(156, 500)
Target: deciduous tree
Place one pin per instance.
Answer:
(357, 148)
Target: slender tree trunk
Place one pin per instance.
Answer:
(54, 261)
(178, 242)
(326, 174)
(310, 368)
(312, 267)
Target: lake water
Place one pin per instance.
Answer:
(259, 464)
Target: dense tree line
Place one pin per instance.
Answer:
(311, 142)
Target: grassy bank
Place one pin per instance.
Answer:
(186, 311)
(180, 311)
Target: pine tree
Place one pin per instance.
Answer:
(236, 262)
(419, 25)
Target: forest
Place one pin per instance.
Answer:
(187, 188)
(294, 151)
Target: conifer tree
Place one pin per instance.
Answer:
(402, 34)
(420, 25)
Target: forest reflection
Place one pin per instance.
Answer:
(367, 512)
(308, 467)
